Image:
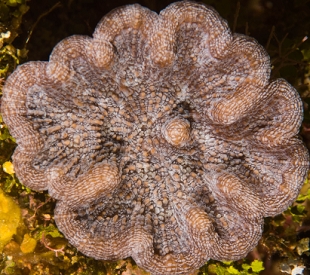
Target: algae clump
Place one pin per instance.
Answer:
(10, 216)
(28, 245)
(8, 167)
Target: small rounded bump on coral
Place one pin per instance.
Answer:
(58, 72)
(177, 131)
(101, 53)
(163, 57)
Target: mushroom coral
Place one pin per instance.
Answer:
(162, 137)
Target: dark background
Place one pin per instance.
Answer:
(291, 17)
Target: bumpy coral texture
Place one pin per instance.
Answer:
(161, 137)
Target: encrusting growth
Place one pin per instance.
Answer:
(161, 137)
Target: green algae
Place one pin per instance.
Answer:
(10, 216)
(11, 15)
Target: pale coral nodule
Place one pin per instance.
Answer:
(176, 131)
(162, 137)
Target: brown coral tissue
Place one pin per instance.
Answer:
(162, 137)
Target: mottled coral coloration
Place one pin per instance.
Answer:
(161, 137)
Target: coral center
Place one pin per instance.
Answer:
(176, 131)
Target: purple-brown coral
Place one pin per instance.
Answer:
(161, 137)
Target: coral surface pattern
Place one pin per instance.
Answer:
(161, 137)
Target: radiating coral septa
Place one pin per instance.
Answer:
(252, 62)
(61, 65)
(257, 61)
(285, 188)
(170, 263)
(104, 178)
(235, 106)
(27, 174)
(230, 191)
(163, 52)
(130, 16)
(284, 124)
(177, 14)
(99, 247)
(59, 72)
